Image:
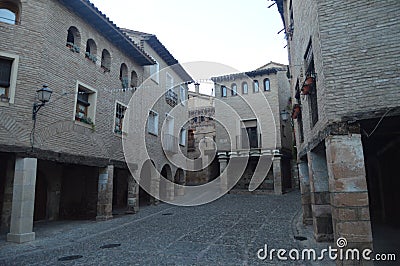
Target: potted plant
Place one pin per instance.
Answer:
(296, 111)
(307, 86)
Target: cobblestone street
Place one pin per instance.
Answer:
(228, 231)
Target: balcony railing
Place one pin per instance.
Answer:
(170, 143)
(171, 97)
(249, 142)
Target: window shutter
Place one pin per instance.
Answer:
(5, 72)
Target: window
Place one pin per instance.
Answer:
(310, 72)
(123, 76)
(154, 72)
(234, 89)
(266, 85)
(169, 82)
(250, 137)
(182, 137)
(134, 79)
(73, 39)
(223, 91)
(8, 76)
(9, 12)
(256, 86)
(182, 94)
(120, 110)
(91, 50)
(191, 140)
(245, 88)
(152, 123)
(85, 108)
(105, 61)
(299, 116)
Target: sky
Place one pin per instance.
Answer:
(242, 34)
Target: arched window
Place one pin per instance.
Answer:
(10, 12)
(123, 76)
(134, 79)
(223, 91)
(266, 85)
(234, 89)
(245, 88)
(105, 61)
(73, 39)
(256, 86)
(91, 50)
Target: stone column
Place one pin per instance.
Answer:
(155, 187)
(180, 189)
(320, 202)
(277, 170)
(8, 196)
(23, 203)
(133, 194)
(349, 192)
(305, 192)
(170, 189)
(223, 162)
(105, 193)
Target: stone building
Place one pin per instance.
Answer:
(345, 85)
(169, 77)
(201, 138)
(254, 107)
(69, 164)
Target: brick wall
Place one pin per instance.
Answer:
(40, 42)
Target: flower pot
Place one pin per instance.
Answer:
(296, 111)
(308, 83)
(306, 89)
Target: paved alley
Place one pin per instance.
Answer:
(228, 231)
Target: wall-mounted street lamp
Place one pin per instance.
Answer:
(285, 115)
(43, 95)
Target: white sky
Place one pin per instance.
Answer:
(239, 33)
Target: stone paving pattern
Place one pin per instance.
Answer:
(228, 231)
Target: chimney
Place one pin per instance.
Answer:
(197, 87)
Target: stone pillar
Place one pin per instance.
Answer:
(320, 202)
(223, 162)
(179, 188)
(277, 170)
(170, 189)
(8, 197)
(349, 192)
(155, 187)
(105, 193)
(23, 203)
(133, 195)
(305, 192)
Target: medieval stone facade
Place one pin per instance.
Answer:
(252, 105)
(345, 85)
(201, 138)
(71, 164)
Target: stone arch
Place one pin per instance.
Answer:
(105, 60)
(123, 76)
(166, 188)
(73, 37)
(179, 179)
(11, 11)
(134, 79)
(91, 50)
(148, 183)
